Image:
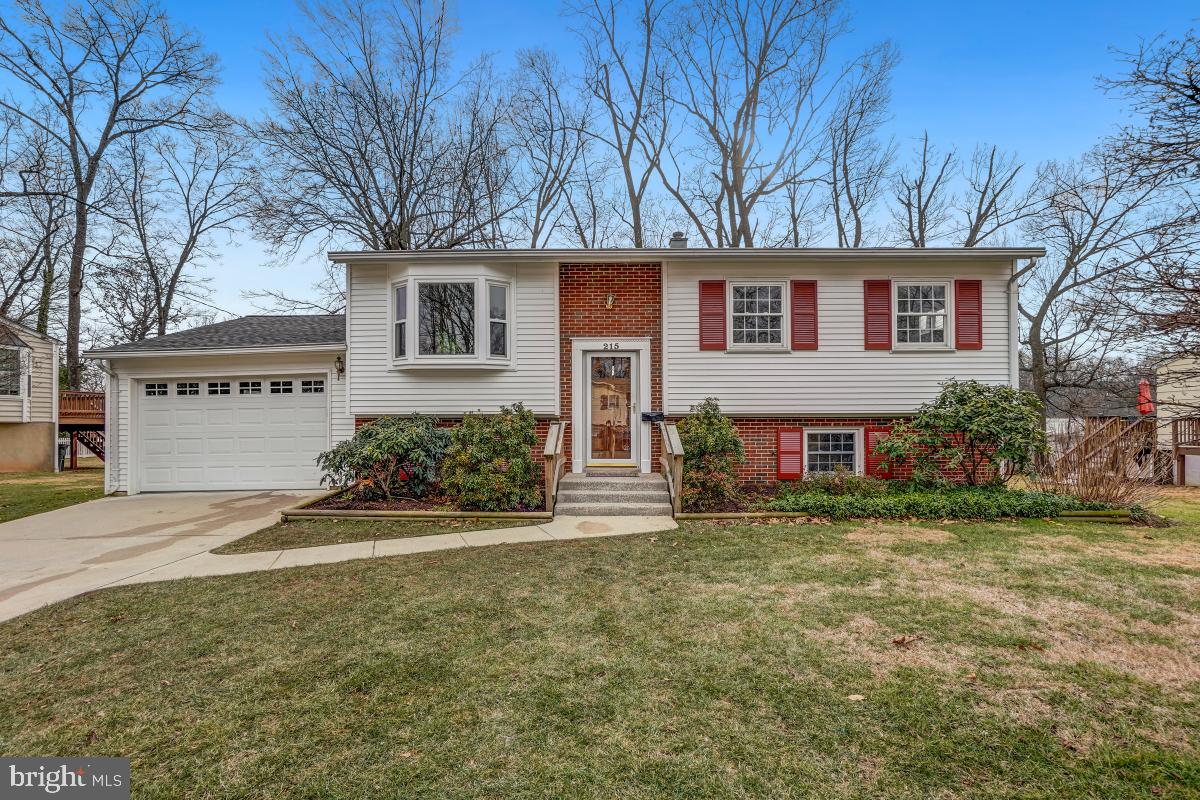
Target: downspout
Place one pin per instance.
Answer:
(54, 400)
(110, 400)
(1014, 328)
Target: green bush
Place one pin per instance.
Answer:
(377, 452)
(958, 503)
(836, 483)
(986, 433)
(490, 466)
(712, 452)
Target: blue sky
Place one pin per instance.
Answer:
(1018, 74)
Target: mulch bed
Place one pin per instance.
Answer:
(432, 502)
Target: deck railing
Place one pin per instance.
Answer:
(80, 406)
(555, 461)
(671, 461)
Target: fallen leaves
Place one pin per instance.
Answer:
(904, 641)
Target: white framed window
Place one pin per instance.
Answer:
(400, 320)
(453, 320)
(187, 389)
(497, 299)
(446, 317)
(757, 314)
(10, 372)
(156, 390)
(281, 387)
(922, 317)
(218, 387)
(312, 387)
(833, 449)
(249, 387)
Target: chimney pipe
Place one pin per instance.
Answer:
(678, 239)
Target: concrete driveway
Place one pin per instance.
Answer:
(59, 554)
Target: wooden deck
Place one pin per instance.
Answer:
(81, 410)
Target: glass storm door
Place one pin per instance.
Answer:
(611, 408)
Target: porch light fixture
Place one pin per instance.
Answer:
(339, 364)
(609, 299)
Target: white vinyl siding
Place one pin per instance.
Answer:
(379, 386)
(840, 378)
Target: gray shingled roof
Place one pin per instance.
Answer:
(254, 331)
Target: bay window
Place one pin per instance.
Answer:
(454, 321)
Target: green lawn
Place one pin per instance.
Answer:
(25, 493)
(1001, 660)
(316, 532)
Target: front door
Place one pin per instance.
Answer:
(611, 405)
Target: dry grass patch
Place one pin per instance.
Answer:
(884, 535)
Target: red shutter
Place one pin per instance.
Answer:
(789, 445)
(712, 315)
(804, 315)
(873, 463)
(877, 315)
(968, 315)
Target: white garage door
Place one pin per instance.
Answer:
(231, 433)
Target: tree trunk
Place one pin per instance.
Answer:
(75, 289)
(1037, 367)
(43, 317)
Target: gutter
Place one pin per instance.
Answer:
(216, 351)
(634, 255)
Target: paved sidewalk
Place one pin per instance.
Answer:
(559, 529)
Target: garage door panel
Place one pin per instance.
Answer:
(193, 443)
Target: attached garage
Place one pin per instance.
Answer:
(243, 405)
(226, 432)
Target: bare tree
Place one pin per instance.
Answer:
(923, 195)
(750, 82)
(1103, 225)
(625, 75)
(175, 195)
(374, 140)
(101, 71)
(993, 198)
(1163, 85)
(858, 162)
(549, 139)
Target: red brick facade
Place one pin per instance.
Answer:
(636, 311)
(758, 436)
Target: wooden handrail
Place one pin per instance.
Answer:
(671, 462)
(81, 405)
(555, 462)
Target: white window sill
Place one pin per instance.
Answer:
(764, 349)
(919, 350)
(469, 364)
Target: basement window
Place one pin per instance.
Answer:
(832, 450)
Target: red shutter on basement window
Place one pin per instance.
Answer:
(804, 315)
(712, 315)
(968, 315)
(789, 445)
(877, 315)
(873, 463)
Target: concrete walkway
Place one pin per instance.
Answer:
(151, 537)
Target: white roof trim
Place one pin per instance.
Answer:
(694, 254)
(219, 351)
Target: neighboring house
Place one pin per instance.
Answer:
(28, 400)
(1177, 396)
(813, 352)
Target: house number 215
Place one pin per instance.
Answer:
(612, 345)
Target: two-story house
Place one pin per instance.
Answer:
(811, 351)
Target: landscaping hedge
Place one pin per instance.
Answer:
(966, 503)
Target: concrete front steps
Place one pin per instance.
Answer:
(602, 495)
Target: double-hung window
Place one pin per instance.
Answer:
(451, 321)
(922, 317)
(831, 450)
(757, 314)
(10, 371)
